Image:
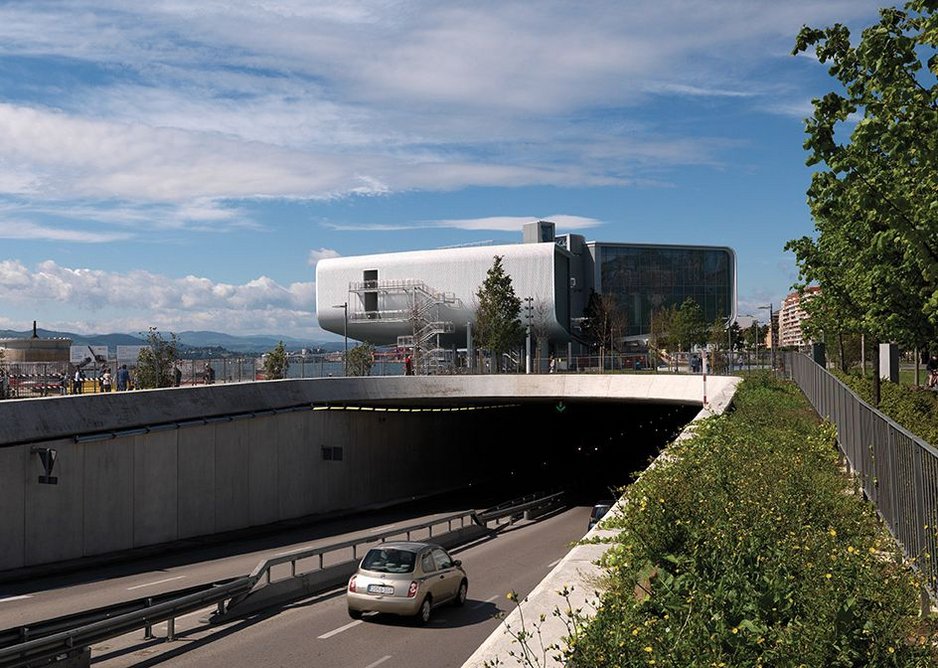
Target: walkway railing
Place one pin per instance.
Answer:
(897, 470)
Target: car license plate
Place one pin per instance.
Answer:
(380, 589)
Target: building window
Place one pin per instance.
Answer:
(332, 453)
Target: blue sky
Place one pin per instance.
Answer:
(185, 164)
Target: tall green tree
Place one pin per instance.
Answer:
(155, 362)
(874, 196)
(689, 328)
(498, 327)
(360, 359)
(276, 363)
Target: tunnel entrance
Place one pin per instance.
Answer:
(592, 449)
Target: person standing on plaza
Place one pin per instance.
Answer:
(106, 380)
(123, 378)
(78, 381)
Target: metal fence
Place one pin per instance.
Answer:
(897, 470)
(41, 379)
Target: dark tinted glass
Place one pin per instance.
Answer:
(389, 560)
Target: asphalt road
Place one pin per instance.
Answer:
(318, 631)
(202, 562)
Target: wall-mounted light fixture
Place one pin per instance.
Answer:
(47, 457)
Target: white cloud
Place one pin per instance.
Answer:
(23, 229)
(324, 99)
(318, 254)
(135, 300)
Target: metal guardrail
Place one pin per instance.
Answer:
(897, 470)
(44, 641)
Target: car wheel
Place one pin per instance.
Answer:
(461, 594)
(354, 614)
(423, 614)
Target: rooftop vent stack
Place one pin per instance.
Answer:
(539, 232)
(35, 333)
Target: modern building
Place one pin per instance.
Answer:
(791, 316)
(428, 297)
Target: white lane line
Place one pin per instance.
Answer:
(384, 528)
(340, 629)
(485, 602)
(15, 598)
(158, 582)
(378, 662)
(554, 563)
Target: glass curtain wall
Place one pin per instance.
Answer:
(646, 278)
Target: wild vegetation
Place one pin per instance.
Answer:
(749, 546)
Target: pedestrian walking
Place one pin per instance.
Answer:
(106, 380)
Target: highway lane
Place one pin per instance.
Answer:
(42, 598)
(318, 632)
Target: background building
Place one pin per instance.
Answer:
(423, 297)
(791, 316)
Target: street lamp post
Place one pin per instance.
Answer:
(344, 307)
(528, 313)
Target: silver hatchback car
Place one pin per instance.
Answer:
(406, 578)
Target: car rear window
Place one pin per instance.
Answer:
(389, 560)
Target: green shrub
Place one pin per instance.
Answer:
(750, 548)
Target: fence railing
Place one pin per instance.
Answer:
(897, 470)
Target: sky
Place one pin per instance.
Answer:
(185, 165)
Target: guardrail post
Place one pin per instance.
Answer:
(148, 628)
(171, 629)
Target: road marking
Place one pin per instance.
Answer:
(158, 582)
(378, 662)
(340, 629)
(384, 528)
(15, 598)
(485, 602)
(554, 563)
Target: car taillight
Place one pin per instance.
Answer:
(351, 583)
(412, 590)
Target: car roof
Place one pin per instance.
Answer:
(407, 545)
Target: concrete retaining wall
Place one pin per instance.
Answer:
(122, 486)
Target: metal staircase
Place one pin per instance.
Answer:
(414, 302)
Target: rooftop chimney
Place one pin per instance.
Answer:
(35, 335)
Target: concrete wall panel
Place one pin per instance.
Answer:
(265, 435)
(196, 481)
(296, 461)
(232, 476)
(15, 475)
(155, 488)
(54, 513)
(108, 495)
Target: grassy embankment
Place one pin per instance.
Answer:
(749, 546)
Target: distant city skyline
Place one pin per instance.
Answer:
(185, 166)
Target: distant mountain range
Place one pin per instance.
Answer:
(258, 343)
